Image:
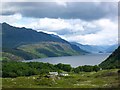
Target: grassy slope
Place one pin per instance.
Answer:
(18, 53)
(48, 49)
(9, 56)
(40, 50)
(104, 78)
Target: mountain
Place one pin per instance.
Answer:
(96, 49)
(113, 61)
(14, 36)
(111, 48)
(29, 44)
(54, 36)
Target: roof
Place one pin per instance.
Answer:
(64, 73)
(53, 72)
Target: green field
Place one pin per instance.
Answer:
(100, 79)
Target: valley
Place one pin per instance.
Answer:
(59, 44)
(39, 45)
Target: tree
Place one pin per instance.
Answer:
(96, 68)
(87, 68)
(76, 70)
(64, 67)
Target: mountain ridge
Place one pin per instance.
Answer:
(14, 37)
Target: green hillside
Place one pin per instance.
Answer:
(113, 61)
(41, 50)
(48, 49)
(9, 57)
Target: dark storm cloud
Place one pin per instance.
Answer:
(82, 10)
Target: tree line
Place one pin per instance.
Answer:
(15, 69)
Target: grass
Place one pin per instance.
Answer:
(100, 79)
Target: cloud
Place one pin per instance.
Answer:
(62, 2)
(97, 32)
(86, 23)
(107, 36)
(59, 26)
(11, 18)
(79, 0)
(65, 10)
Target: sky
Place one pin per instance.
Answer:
(91, 23)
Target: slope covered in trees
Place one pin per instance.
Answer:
(113, 61)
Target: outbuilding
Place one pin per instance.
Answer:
(63, 74)
(53, 73)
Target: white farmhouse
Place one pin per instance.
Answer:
(63, 74)
(53, 73)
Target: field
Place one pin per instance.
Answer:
(100, 79)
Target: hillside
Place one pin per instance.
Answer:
(48, 49)
(113, 61)
(9, 57)
(29, 44)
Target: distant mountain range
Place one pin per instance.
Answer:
(29, 44)
(111, 48)
(96, 49)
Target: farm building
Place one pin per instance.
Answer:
(63, 74)
(53, 73)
